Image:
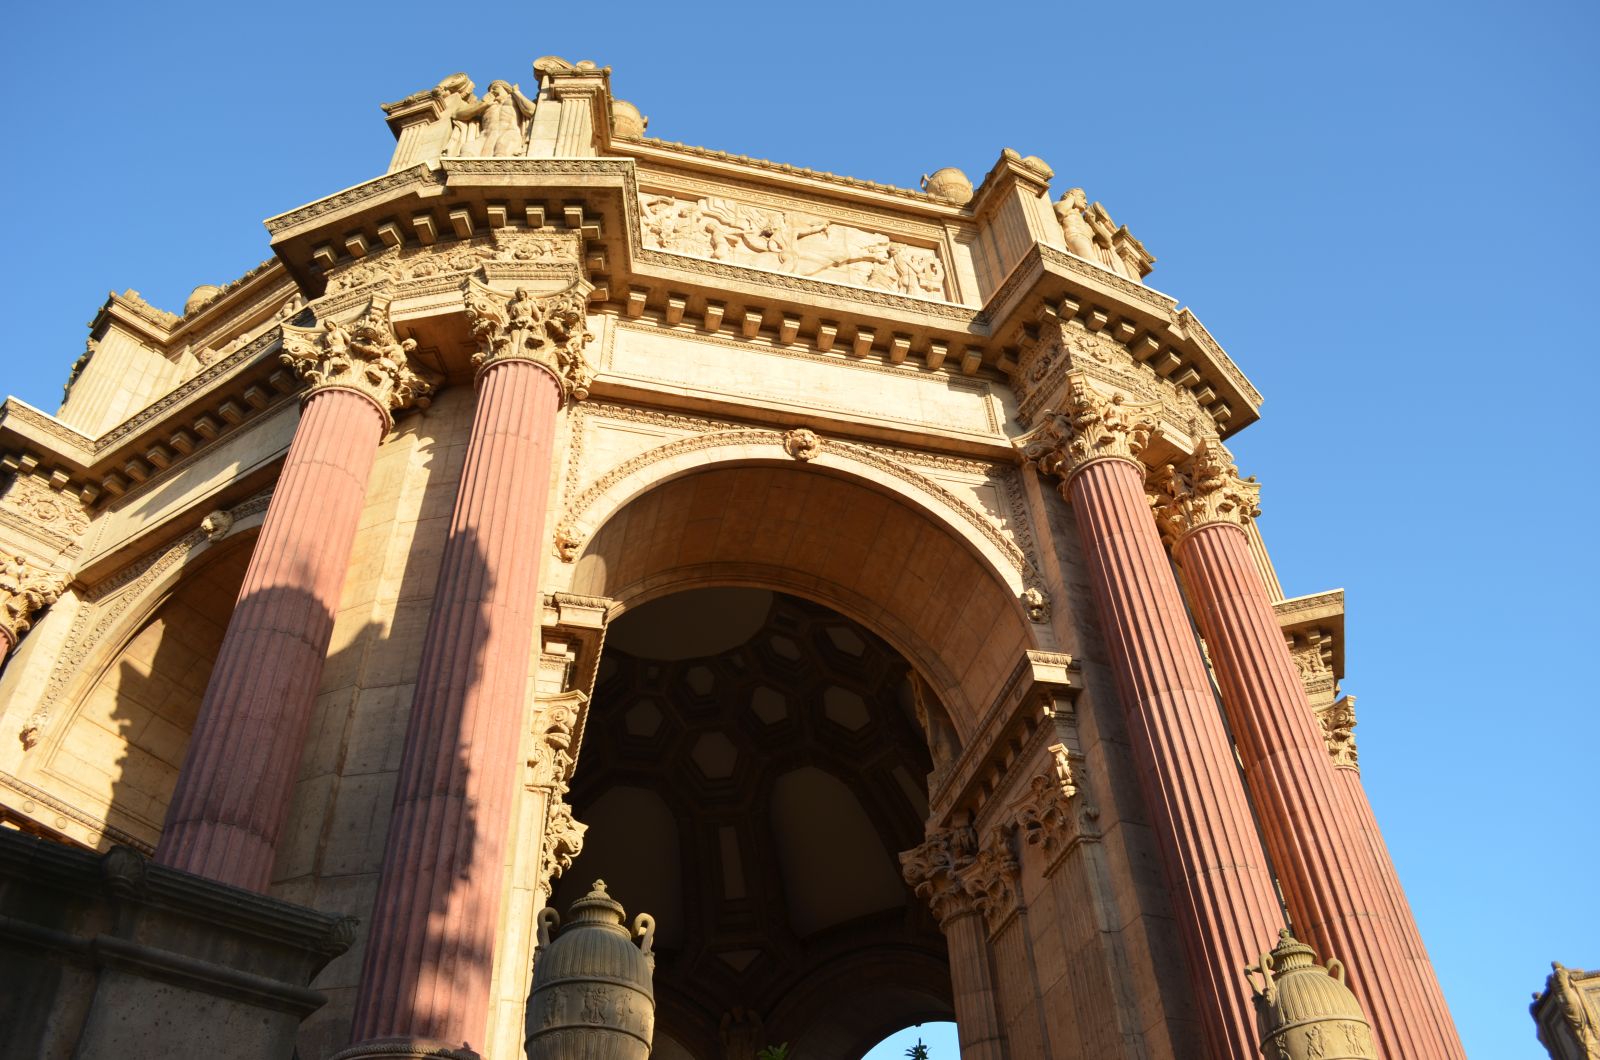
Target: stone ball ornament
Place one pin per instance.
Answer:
(592, 991)
(949, 184)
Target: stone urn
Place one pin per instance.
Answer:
(1304, 1010)
(592, 995)
(949, 184)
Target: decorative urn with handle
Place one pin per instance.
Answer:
(1304, 1010)
(592, 993)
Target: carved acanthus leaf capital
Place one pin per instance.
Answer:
(1091, 426)
(550, 331)
(1338, 729)
(993, 879)
(937, 870)
(1201, 491)
(25, 590)
(365, 356)
(1053, 815)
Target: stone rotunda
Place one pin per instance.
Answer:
(856, 577)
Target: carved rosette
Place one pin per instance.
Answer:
(364, 356)
(1054, 815)
(550, 331)
(937, 871)
(1202, 491)
(25, 590)
(1091, 426)
(1338, 729)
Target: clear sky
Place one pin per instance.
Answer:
(1384, 211)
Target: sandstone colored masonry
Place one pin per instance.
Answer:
(856, 576)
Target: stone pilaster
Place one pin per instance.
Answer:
(238, 774)
(429, 958)
(940, 870)
(1221, 888)
(1325, 867)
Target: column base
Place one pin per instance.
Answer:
(113, 956)
(406, 1049)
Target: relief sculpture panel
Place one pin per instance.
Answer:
(788, 241)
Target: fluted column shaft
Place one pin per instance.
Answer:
(1221, 888)
(972, 985)
(238, 774)
(431, 943)
(1325, 865)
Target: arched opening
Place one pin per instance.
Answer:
(116, 756)
(937, 1041)
(752, 766)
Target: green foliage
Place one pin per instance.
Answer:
(918, 1051)
(774, 1052)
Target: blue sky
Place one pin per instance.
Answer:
(1384, 211)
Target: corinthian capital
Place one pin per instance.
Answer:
(1202, 490)
(937, 870)
(25, 590)
(364, 356)
(550, 331)
(1091, 426)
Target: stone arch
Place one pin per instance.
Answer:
(879, 543)
(120, 704)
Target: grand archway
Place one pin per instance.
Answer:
(751, 768)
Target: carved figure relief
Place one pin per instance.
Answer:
(1090, 426)
(504, 246)
(1338, 729)
(766, 237)
(495, 126)
(1569, 1001)
(1090, 233)
(551, 331)
(364, 356)
(31, 498)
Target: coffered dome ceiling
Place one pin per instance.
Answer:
(751, 768)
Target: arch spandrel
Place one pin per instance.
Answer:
(834, 529)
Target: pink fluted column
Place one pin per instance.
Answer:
(431, 942)
(1222, 891)
(1314, 837)
(239, 772)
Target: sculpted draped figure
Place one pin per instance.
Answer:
(1091, 234)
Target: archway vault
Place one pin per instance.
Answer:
(884, 549)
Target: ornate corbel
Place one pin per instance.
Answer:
(557, 718)
(563, 841)
(550, 331)
(1054, 815)
(1338, 729)
(364, 356)
(25, 590)
(1202, 490)
(937, 871)
(1090, 426)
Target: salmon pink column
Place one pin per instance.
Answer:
(238, 774)
(1326, 867)
(431, 945)
(1221, 887)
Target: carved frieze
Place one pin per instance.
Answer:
(1200, 491)
(364, 356)
(508, 253)
(1090, 426)
(32, 505)
(25, 590)
(550, 331)
(777, 239)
